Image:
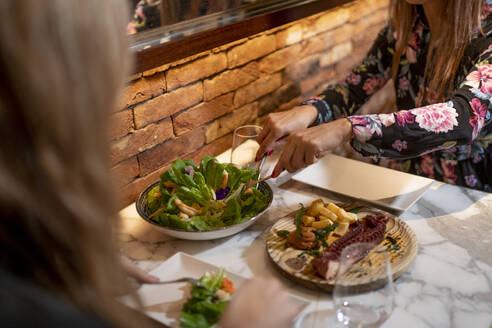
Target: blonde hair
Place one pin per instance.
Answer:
(62, 63)
(458, 21)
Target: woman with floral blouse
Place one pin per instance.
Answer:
(438, 54)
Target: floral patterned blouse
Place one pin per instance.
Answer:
(447, 141)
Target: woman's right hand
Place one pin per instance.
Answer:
(281, 124)
(259, 303)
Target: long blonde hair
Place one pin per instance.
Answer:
(459, 20)
(62, 63)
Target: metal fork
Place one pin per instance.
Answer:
(185, 279)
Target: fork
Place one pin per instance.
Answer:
(185, 279)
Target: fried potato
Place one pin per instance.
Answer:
(334, 208)
(327, 213)
(349, 217)
(307, 220)
(321, 224)
(315, 207)
(342, 228)
(331, 238)
(325, 218)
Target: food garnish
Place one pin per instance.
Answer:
(207, 302)
(324, 230)
(205, 197)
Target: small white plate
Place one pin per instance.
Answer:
(374, 184)
(164, 302)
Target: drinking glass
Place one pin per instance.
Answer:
(363, 294)
(244, 145)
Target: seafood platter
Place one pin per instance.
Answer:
(306, 246)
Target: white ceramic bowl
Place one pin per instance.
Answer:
(216, 233)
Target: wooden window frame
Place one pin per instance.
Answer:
(160, 54)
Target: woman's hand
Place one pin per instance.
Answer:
(278, 125)
(259, 303)
(136, 273)
(305, 147)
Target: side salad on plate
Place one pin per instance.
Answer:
(208, 300)
(202, 198)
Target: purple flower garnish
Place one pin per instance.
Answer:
(222, 193)
(189, 170)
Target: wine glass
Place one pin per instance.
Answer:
(363, 293)
(244, 145)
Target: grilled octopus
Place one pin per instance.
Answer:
(370, 230)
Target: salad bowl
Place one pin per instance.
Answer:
(214, 233)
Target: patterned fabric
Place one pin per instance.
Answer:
(446, 141)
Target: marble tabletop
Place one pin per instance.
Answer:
(448, 285)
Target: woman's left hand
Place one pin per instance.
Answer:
(305, 147)
(133, 271)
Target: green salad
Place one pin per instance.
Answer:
(207, 302)
(206, 197)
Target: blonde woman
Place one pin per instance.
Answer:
(62, 63)
(438, 54)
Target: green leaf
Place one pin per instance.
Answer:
(299, 220)
(184, 179)
(200, 223)
(154, 199)
(213, 282)
(283, 233)
(195, 320)
(232, 212)
(190, 196)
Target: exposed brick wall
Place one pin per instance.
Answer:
(189, 108)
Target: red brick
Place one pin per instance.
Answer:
(213, 149)
(303, 68)
(282, 95)
(120, 124)
(156, 70)
(326, 40)
(202, 114)
(377, 18)
(229, 122)
(338, 52)
(196, 70)
(170, 150)
(259, 88)
(366, 7)
(140, 140)
(252, 49)
(129, 193)
(124, 172)
(327, 21)
(230, 80)
(288, 105)
(164, 106)
(279, 59)
(141, 90)
(315, 84)
(289, 36)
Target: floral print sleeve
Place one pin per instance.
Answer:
(344, 99)
(440, 126)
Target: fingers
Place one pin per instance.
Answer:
(263, 133)
(310, 156)
(297, 160)
(133, 271)
(266, 144)
(284, 160)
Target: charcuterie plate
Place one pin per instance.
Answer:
(399, 242)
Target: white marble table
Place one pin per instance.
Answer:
(449, 284)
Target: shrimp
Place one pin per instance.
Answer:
(188, 210)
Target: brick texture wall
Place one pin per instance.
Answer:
(189, 108)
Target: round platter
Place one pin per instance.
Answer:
(400, 243)
(142, 209)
